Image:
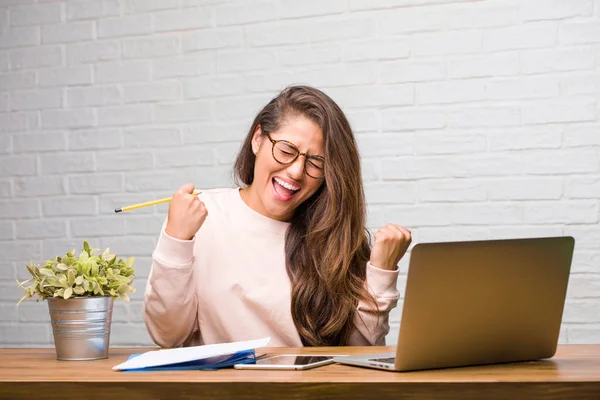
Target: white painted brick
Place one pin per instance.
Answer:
(448, 42)
(390, 192)
(7, 230)
(409, 20)
(588, 135)
(279, 33)
(95, 139)
(300, 56)
(532, 35)
(407, 119)
(53, 247)
(226, 153)
(457, 91)
(500, 64)
(363, 120)
(563, 59)
(35, 14)
(210, 132)
(26, 334)
(69, 32)
(338, 75)
(269, 82)
(586, 237)
(484, 116)
(96, 183)
(12, 166)
(36, 99)
(583, 334)
(18, 80)
(61, 163)
(240, 107)
(81, 118)
(145, 182)
(109, 202)
(65, 76)
(384, 145)
(36, 57)
(440, 214)
(19, 209)
(184, 158)
(573, 32)
(93, 96)
(125, 115)
(560, 212)
(307, 8)
(143, 225)
(91, 52)
(525, 231)
(183, 19)
(124, 161)
(152, 92)
(560, 162)
(213, 86)
(387, 49)
(8, 313)
(212, 39)
(151, 47)
(125, 26)
(199, 64)
(369, 5)
(525, 189)
(583, 188)
(70, 206)
(39, 142)
(581, 84)
(188, 111)
(448, 234)
(546, 136)
(585, 261)
(373, 96)
(4, 62)
(102, 226)
(129, 334)
(13, 122)
(32, 311)
(213, 176)
(449, 142)
(41, 229)
(581, 310)
(335, 30)
(6, 143)
(5, 189)
(246, 13)
(4, 107)
(151, 137)
(555, 9)
(132, 6)
(410, 71)
(127, 71)
(583, 286)
(482, 15)
(85, 9)
(522, 87)
(237, 60)
(20, 250)
(20, 37)
(563, 110)
(457, 190)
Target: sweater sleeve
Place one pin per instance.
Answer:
(371, 325)
(170, 305)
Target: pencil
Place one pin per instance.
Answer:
(149, 203)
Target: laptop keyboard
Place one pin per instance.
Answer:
(388, 360)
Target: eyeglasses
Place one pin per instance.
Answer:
(286, 153)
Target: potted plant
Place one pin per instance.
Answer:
(80, 292)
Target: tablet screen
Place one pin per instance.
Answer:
(292, 360)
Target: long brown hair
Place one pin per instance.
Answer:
(327, 244)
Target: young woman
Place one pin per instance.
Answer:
(285, 255)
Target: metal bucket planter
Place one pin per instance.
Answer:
(81, 327)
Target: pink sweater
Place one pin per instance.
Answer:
(229, 283)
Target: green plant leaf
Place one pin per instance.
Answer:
(46, 272)
(67, 293)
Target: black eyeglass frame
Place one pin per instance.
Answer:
(298, 154)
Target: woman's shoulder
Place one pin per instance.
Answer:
(218, 197)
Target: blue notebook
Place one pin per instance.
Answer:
(211, 363)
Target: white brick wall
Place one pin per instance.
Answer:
(475, 119)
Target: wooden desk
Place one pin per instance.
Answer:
(574, 373)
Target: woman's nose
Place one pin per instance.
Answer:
(296, 169)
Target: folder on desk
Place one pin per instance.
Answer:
(212, 356)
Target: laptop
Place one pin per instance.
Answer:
(479, 302)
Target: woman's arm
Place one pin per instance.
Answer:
(170, 304)
(371, 325)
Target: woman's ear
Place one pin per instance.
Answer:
(257, 139)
